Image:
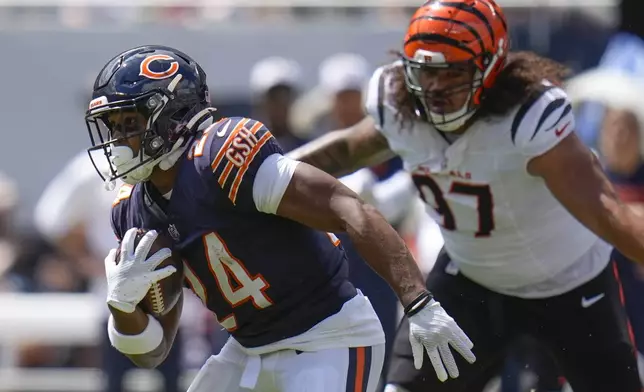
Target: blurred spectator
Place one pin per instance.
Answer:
(275, 84)
(28, 264)
(343, 77)
(73, 213)
(624, 54)
(8, 251)
(337, 100)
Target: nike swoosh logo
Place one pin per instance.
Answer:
(588, 302)
(222, 131)
(561, 130)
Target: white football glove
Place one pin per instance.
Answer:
(129, 281)
(432, 329)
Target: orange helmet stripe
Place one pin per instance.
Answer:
(447, 21)
(474, 27)
(473, 11)
(440, 39)
(499, 14)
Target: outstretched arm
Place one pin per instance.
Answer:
(575, 177)
(545, 136)
(345, 151)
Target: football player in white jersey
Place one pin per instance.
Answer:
(526, 211)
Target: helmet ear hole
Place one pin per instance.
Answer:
(153, 146)
(179, 115)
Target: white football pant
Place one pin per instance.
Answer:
(333, 370)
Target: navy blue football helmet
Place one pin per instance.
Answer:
(154, 93)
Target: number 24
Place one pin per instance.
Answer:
(224, 267)
(481, 192)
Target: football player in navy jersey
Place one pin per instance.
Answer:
(253, 228)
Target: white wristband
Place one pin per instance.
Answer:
(143, 343)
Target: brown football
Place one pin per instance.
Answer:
(164, 294)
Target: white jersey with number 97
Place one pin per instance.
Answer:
(502, 227)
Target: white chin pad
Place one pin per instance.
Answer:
(442, 123)
(120, 155)
(123, 160)
(449, 122)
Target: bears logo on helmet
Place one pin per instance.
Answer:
(150, 74)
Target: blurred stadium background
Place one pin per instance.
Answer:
(50, 315)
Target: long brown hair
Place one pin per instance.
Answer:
(518, 81)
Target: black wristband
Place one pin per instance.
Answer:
(417, 304)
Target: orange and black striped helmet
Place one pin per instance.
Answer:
(444, 33)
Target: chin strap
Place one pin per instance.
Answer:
(207, 112)
(168, 160)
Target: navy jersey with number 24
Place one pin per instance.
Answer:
(265, 277)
